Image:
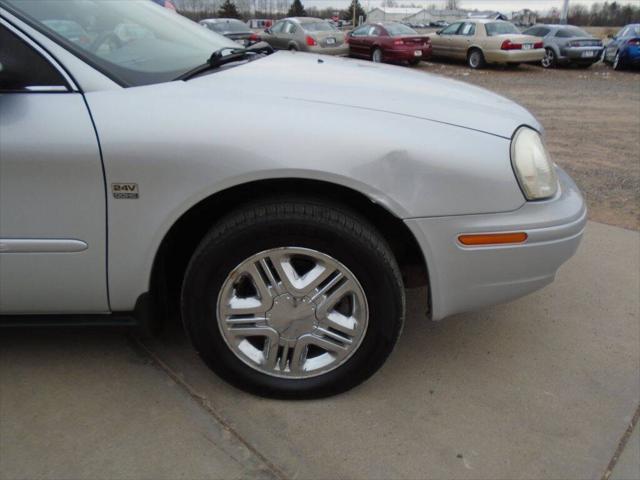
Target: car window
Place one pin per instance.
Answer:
(319, 27)
(361, 31)
(451, 29)
(622, 33)
(24, 69)
(289, 28)
(500, 28)
(468, 29)
(374, 32)
(544, 32)
(571, 33)
(278, 27)
(134, 43)
(398, 30)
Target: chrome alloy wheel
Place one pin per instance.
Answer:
(292, 312)
(549, 58)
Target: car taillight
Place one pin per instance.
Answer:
(635, 42)
(427, 41)
(254, 37)
(538, 45)
(311, 41)
(398, 42)
(509, 45)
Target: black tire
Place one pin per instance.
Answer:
(414, 61)
(618, 63)
(475, 59)
(293, 48)
(376, 55)
(313, 224)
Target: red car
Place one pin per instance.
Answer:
(389, 41)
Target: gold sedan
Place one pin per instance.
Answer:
(480, 42)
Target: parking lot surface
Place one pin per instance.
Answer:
(544, 387)
(592, 121)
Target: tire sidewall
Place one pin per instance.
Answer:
(218, 258)
(480, 59)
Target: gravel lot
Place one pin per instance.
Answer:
(592, 121)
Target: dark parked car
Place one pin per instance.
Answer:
(567, 45)
(389, 41)
(624, 49)
(231, 28)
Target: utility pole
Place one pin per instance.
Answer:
(565, 12)
(354, 13)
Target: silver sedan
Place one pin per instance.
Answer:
(139, 185)
(307, 35)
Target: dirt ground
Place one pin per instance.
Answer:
(592, 123)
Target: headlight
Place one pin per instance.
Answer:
(534, 169)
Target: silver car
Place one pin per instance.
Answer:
(307, 35)
(137, 184)
(567, 45)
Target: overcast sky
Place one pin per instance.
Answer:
(501, 5)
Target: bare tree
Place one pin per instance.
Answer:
(452, 4)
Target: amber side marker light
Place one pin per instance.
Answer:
(493, 238)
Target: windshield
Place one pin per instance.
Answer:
(318, 27)
(501, 28)
(231, 26)
(398, 29)
(134, 42)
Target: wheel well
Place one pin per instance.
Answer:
(184, 236)
(471, 49)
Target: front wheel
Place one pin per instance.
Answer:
(617, 62)
(293, 299)
(475, 59)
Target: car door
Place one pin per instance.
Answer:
(462, 40)
(274, 36)
(288, 35)
(441, 43)
(612, 46)
(52, 191)
(358, 42)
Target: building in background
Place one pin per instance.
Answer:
(386, 14)
(524, 18)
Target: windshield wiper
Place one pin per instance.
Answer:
(219, 58)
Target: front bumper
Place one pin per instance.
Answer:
(467, 278)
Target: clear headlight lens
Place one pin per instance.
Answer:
(534, 169)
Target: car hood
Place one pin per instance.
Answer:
(365, 85)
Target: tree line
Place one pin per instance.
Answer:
(598, 15)
(246, 9)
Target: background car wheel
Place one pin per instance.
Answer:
(376, 55)
(293, 299)
(293, 48)
(475, 59)
(617, 62)
(414, 61)
(549, 60)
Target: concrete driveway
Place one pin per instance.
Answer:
(544, 387)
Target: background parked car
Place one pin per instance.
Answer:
(260, 23)
(389, 41)
(568, 45)
(624, 49)
(306, 34)
(482, 41)
(231, 28)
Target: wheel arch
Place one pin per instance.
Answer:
(184, 235)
